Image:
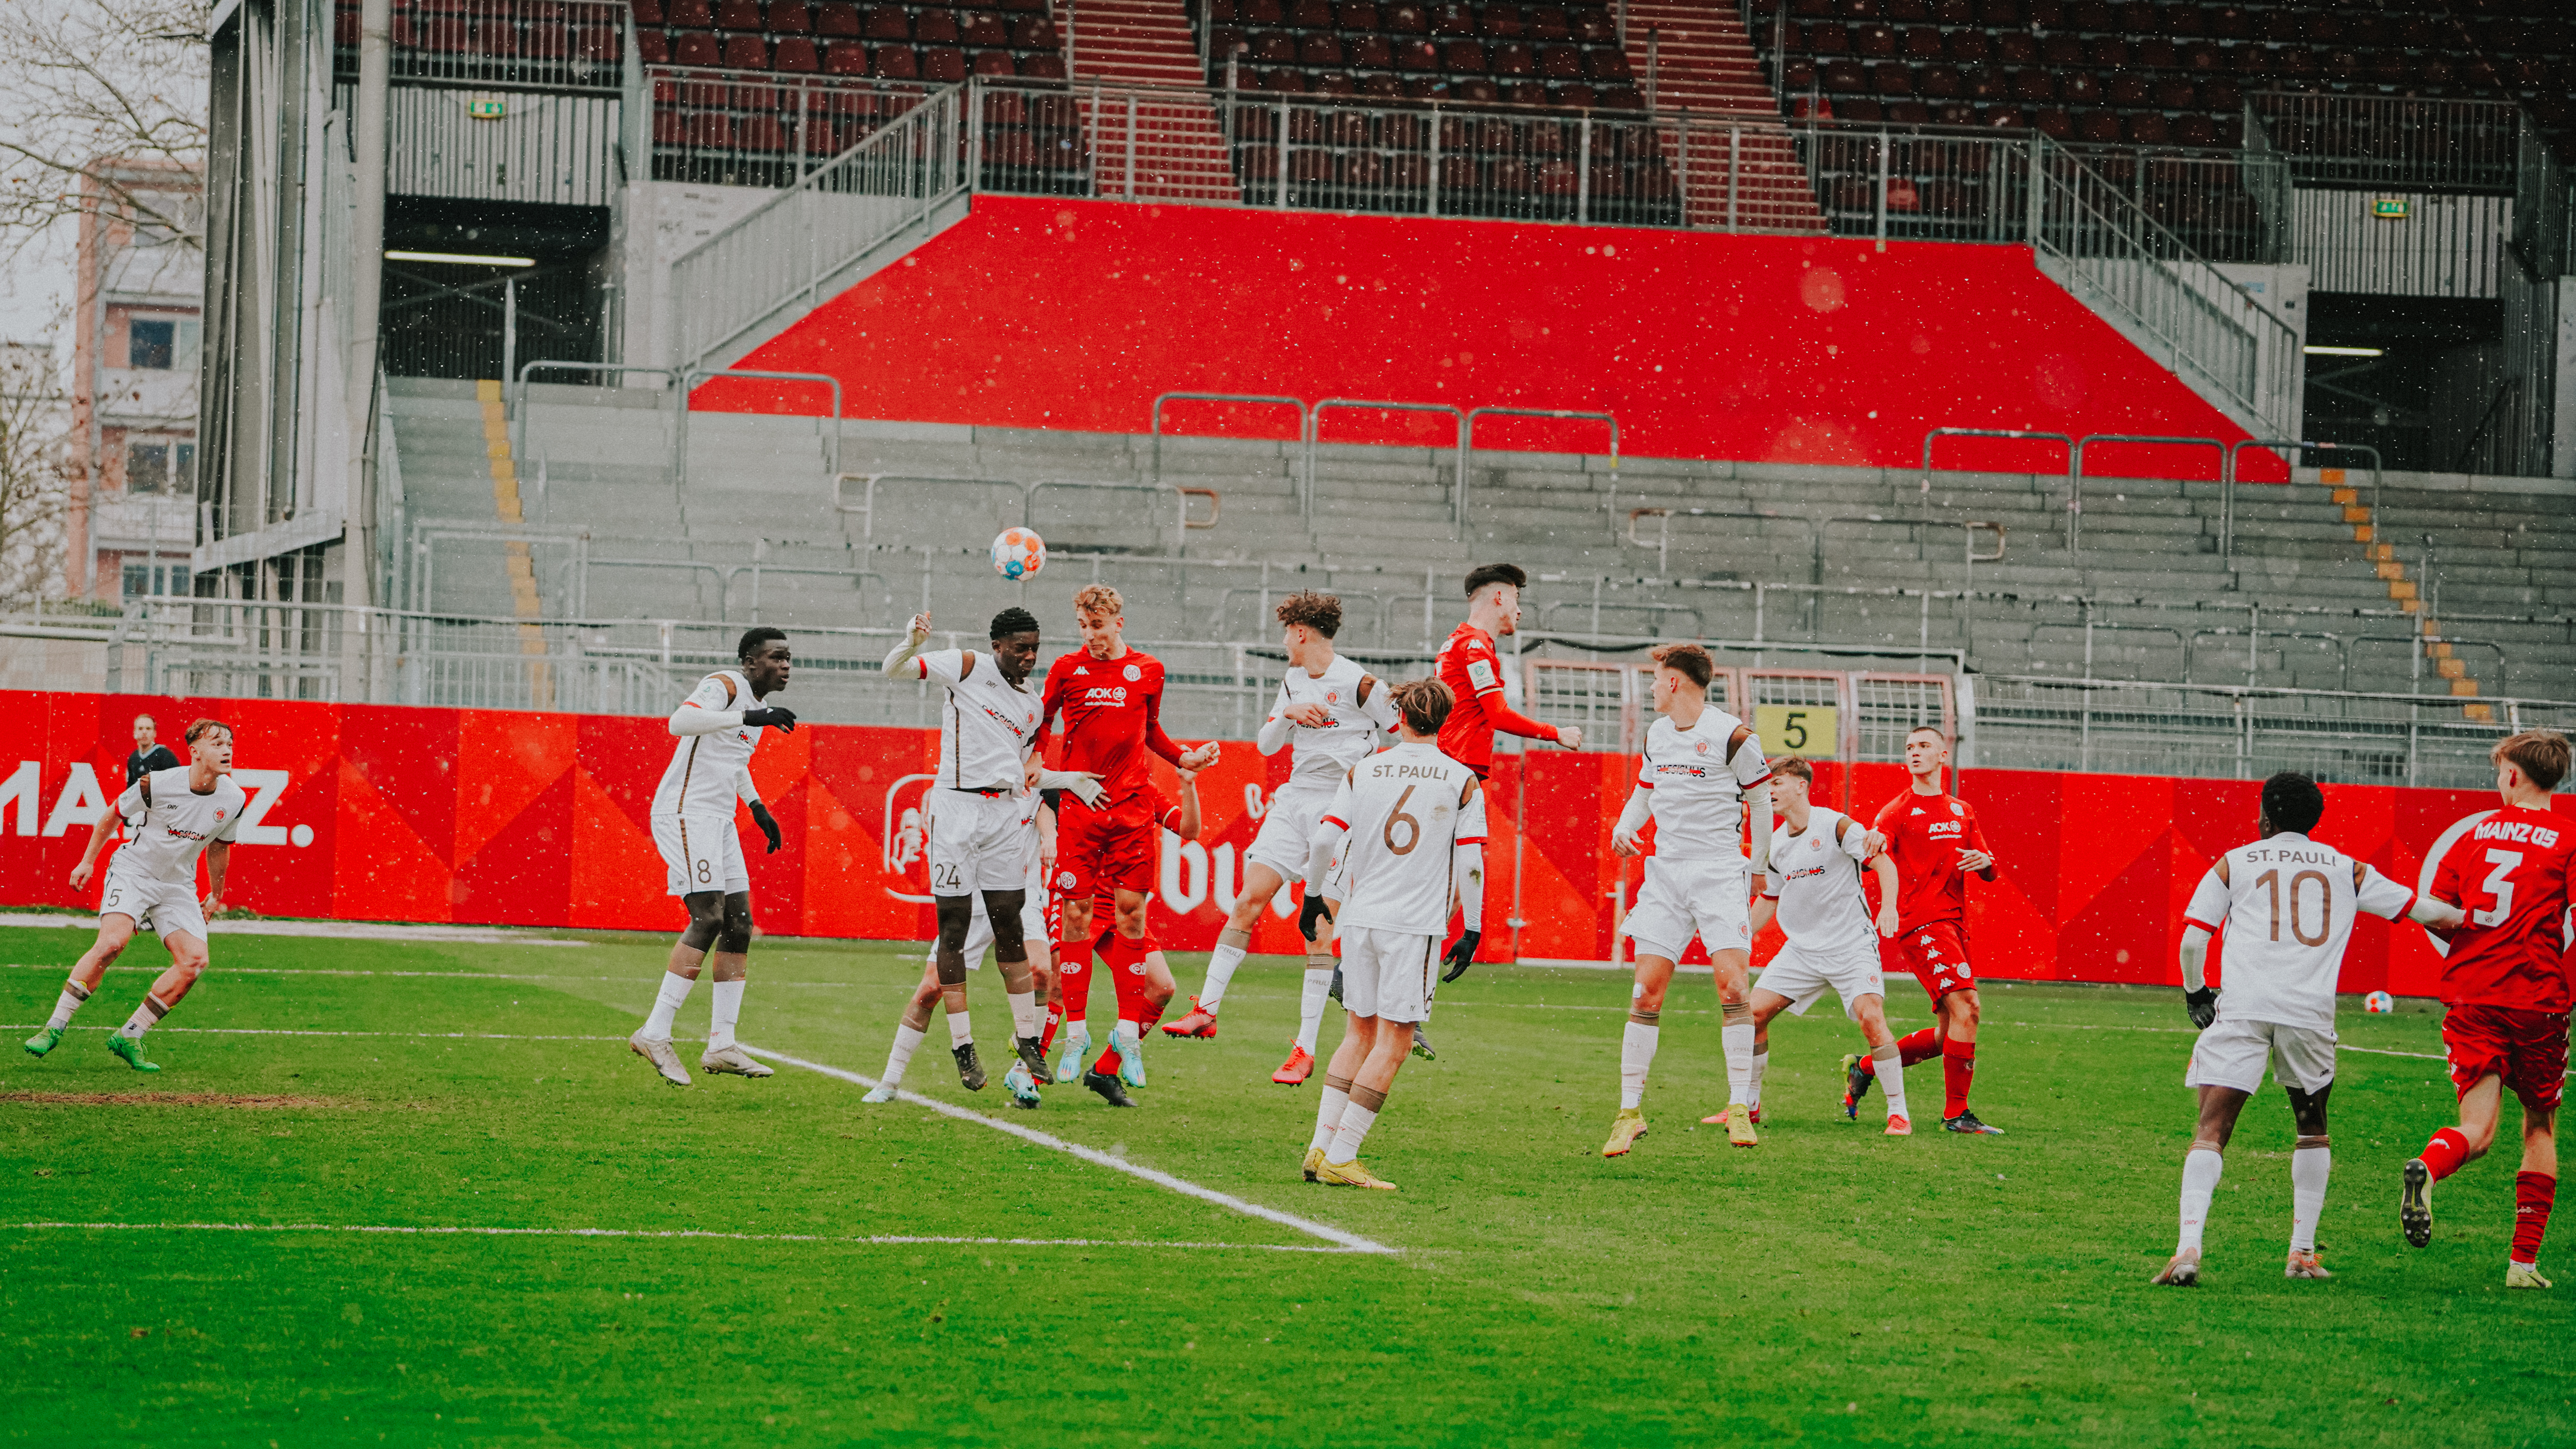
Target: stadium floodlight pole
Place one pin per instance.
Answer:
(366, 300)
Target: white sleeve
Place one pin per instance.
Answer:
(1275, 730)
(1471, 815)
(1772, 884)
(1639, 809)
(1379, 706)
(944, 666)
(2208, 908)
(742, 786)
(1851, 838)
(232, 822)
(1329, 830)
(707, 711)
(1467, 863)
(2379, 895)
(1751, 768)
(130, 804)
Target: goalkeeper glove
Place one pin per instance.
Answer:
(768, 824)
(1315, 911)
(2202, 1006)
(773, 717)
(1462, 955)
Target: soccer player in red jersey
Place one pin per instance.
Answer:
(1140, 980)
(1110, 698)
(1937, 843)
(2505, 982)
(1468, 664)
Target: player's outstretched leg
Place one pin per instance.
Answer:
(115, 929)
(2446, 1152)
(732, 963)
(1314, 994)
(1636, 1058)
(187, 962)
(2201, 1168)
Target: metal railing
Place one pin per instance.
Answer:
(1467, 446)
(818, 235)
(2229, 478)
(2388, 142)
(2017, 434)
(2101, 244)
(1181, 519)
(722, 127)
(528, 45)
(1315, 427)
(2075, 472)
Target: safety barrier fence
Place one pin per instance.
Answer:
(534, 45)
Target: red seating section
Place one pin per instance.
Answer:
(1540, 55)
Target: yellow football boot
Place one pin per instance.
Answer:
(2523, 1275)
(1351, 1174)
(1314, 1163)
(1739, 1126)
(1625, 1129)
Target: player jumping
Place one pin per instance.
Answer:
(1814, 891)
(719, 726)
(1937, 844)
(1414, 819)
(983, 838)
(2287, 904)
(1111, 698)
(1019, 1081)
(1701, 769)
(1474, 673)
(171, 816)
(2505, 982)
(1328, 714)
(1144, 983)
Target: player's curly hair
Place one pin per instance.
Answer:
(1689, 660)
(1319, 612)
(198, 727)
(1424, 703)
(2541, 755)
(756, 636)
(1013, 620)
(2292, 801)
(1099, 599)
(1485, 576)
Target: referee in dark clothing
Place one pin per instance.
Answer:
(148, 756)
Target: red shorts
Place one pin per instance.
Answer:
(1101, 850)
(2526, 1048)
(1937, 954)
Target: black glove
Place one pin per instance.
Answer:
(2202, 1006)
(1462, 955)
(773, 717)
(1315, 910)
(768, 824)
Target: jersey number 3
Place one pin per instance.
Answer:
(2499, 883)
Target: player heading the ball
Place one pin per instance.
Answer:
(2284, 907)
(719, 726)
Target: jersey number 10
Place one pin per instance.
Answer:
(2271, 881)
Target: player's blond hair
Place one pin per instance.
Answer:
(1424, 703)
(2541, 755)
(1319, 612)
(198, 727)
(1792, 765)
(1688, 660)
(1099, 599)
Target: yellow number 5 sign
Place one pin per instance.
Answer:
(1810, 730)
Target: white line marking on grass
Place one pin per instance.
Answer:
(291, 1031)
(337, 930)
(1351, 1242)
(886, 1239)
(231, 970)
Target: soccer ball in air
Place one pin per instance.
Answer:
(2378, 1001)
(1018, 553)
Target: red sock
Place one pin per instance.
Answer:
(1046, 1038)
(1910, 1048)
(2533, 1193)
(1119, 956)
(1073, 975)
(1958, 1064)
(2447, 1153)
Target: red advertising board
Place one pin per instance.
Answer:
(383, 813)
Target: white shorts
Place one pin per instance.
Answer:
(1802, 976)
(977, 842)
(1707, 898)
(1388, 974)
(1286, 831)
(979, 921)
(2232, 1054)
(700, 853)
(166, 907)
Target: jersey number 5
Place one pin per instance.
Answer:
(1412, 827)
(2499, 883)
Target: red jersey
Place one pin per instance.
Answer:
(1925, 834)
(1469, 666)
(2509, 872)
(1113, 714)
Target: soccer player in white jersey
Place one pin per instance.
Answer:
(1328, 715)
(983, 838)
(171, 816)
(1814, 891)
(719, 726)
(1702, 769)
(1039, 821)
(1409, 827)
(2286, 905)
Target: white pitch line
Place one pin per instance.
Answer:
(337, 930)
(228, 970)
(884, 1239)
(1349, 1241)
(291, 1031)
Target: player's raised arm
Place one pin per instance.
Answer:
(913, 639)
(1377, 703)
(1279, 726)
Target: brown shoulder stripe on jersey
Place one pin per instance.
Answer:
(1367, 683)
(1467, 792)
(1736, 740)
(727, 683)
(2358, 871)
(2221, 868)
(966, 664)
(1842, 829)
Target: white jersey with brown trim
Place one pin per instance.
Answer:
(1405, 811)
(2283, 911)
(1699, 776)
(1357, 705)
(708, 772)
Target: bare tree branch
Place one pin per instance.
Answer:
(96, 96)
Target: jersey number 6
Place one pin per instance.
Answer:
(1412, 827)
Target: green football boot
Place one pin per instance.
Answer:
(130, 1048)
(44, 1041)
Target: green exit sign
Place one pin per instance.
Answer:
(493, 108)
(2392, 208)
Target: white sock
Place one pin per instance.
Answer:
(1328, 1116)
(666, 1006)
(724, 1008)
(1230, 947)
(1737, 1038)
(70, 1001)
(141, 1021)
(1311, 1003)
(1356, 1122)
(1761, 1059)
(1891, 1079)
(1125, 1037)
(1025, 1019)
(907, 1040)
(2200, 1170)
(960, 1030)
(1636, 1055)
(2309, 1168)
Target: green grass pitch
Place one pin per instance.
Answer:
(1832, 1287)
